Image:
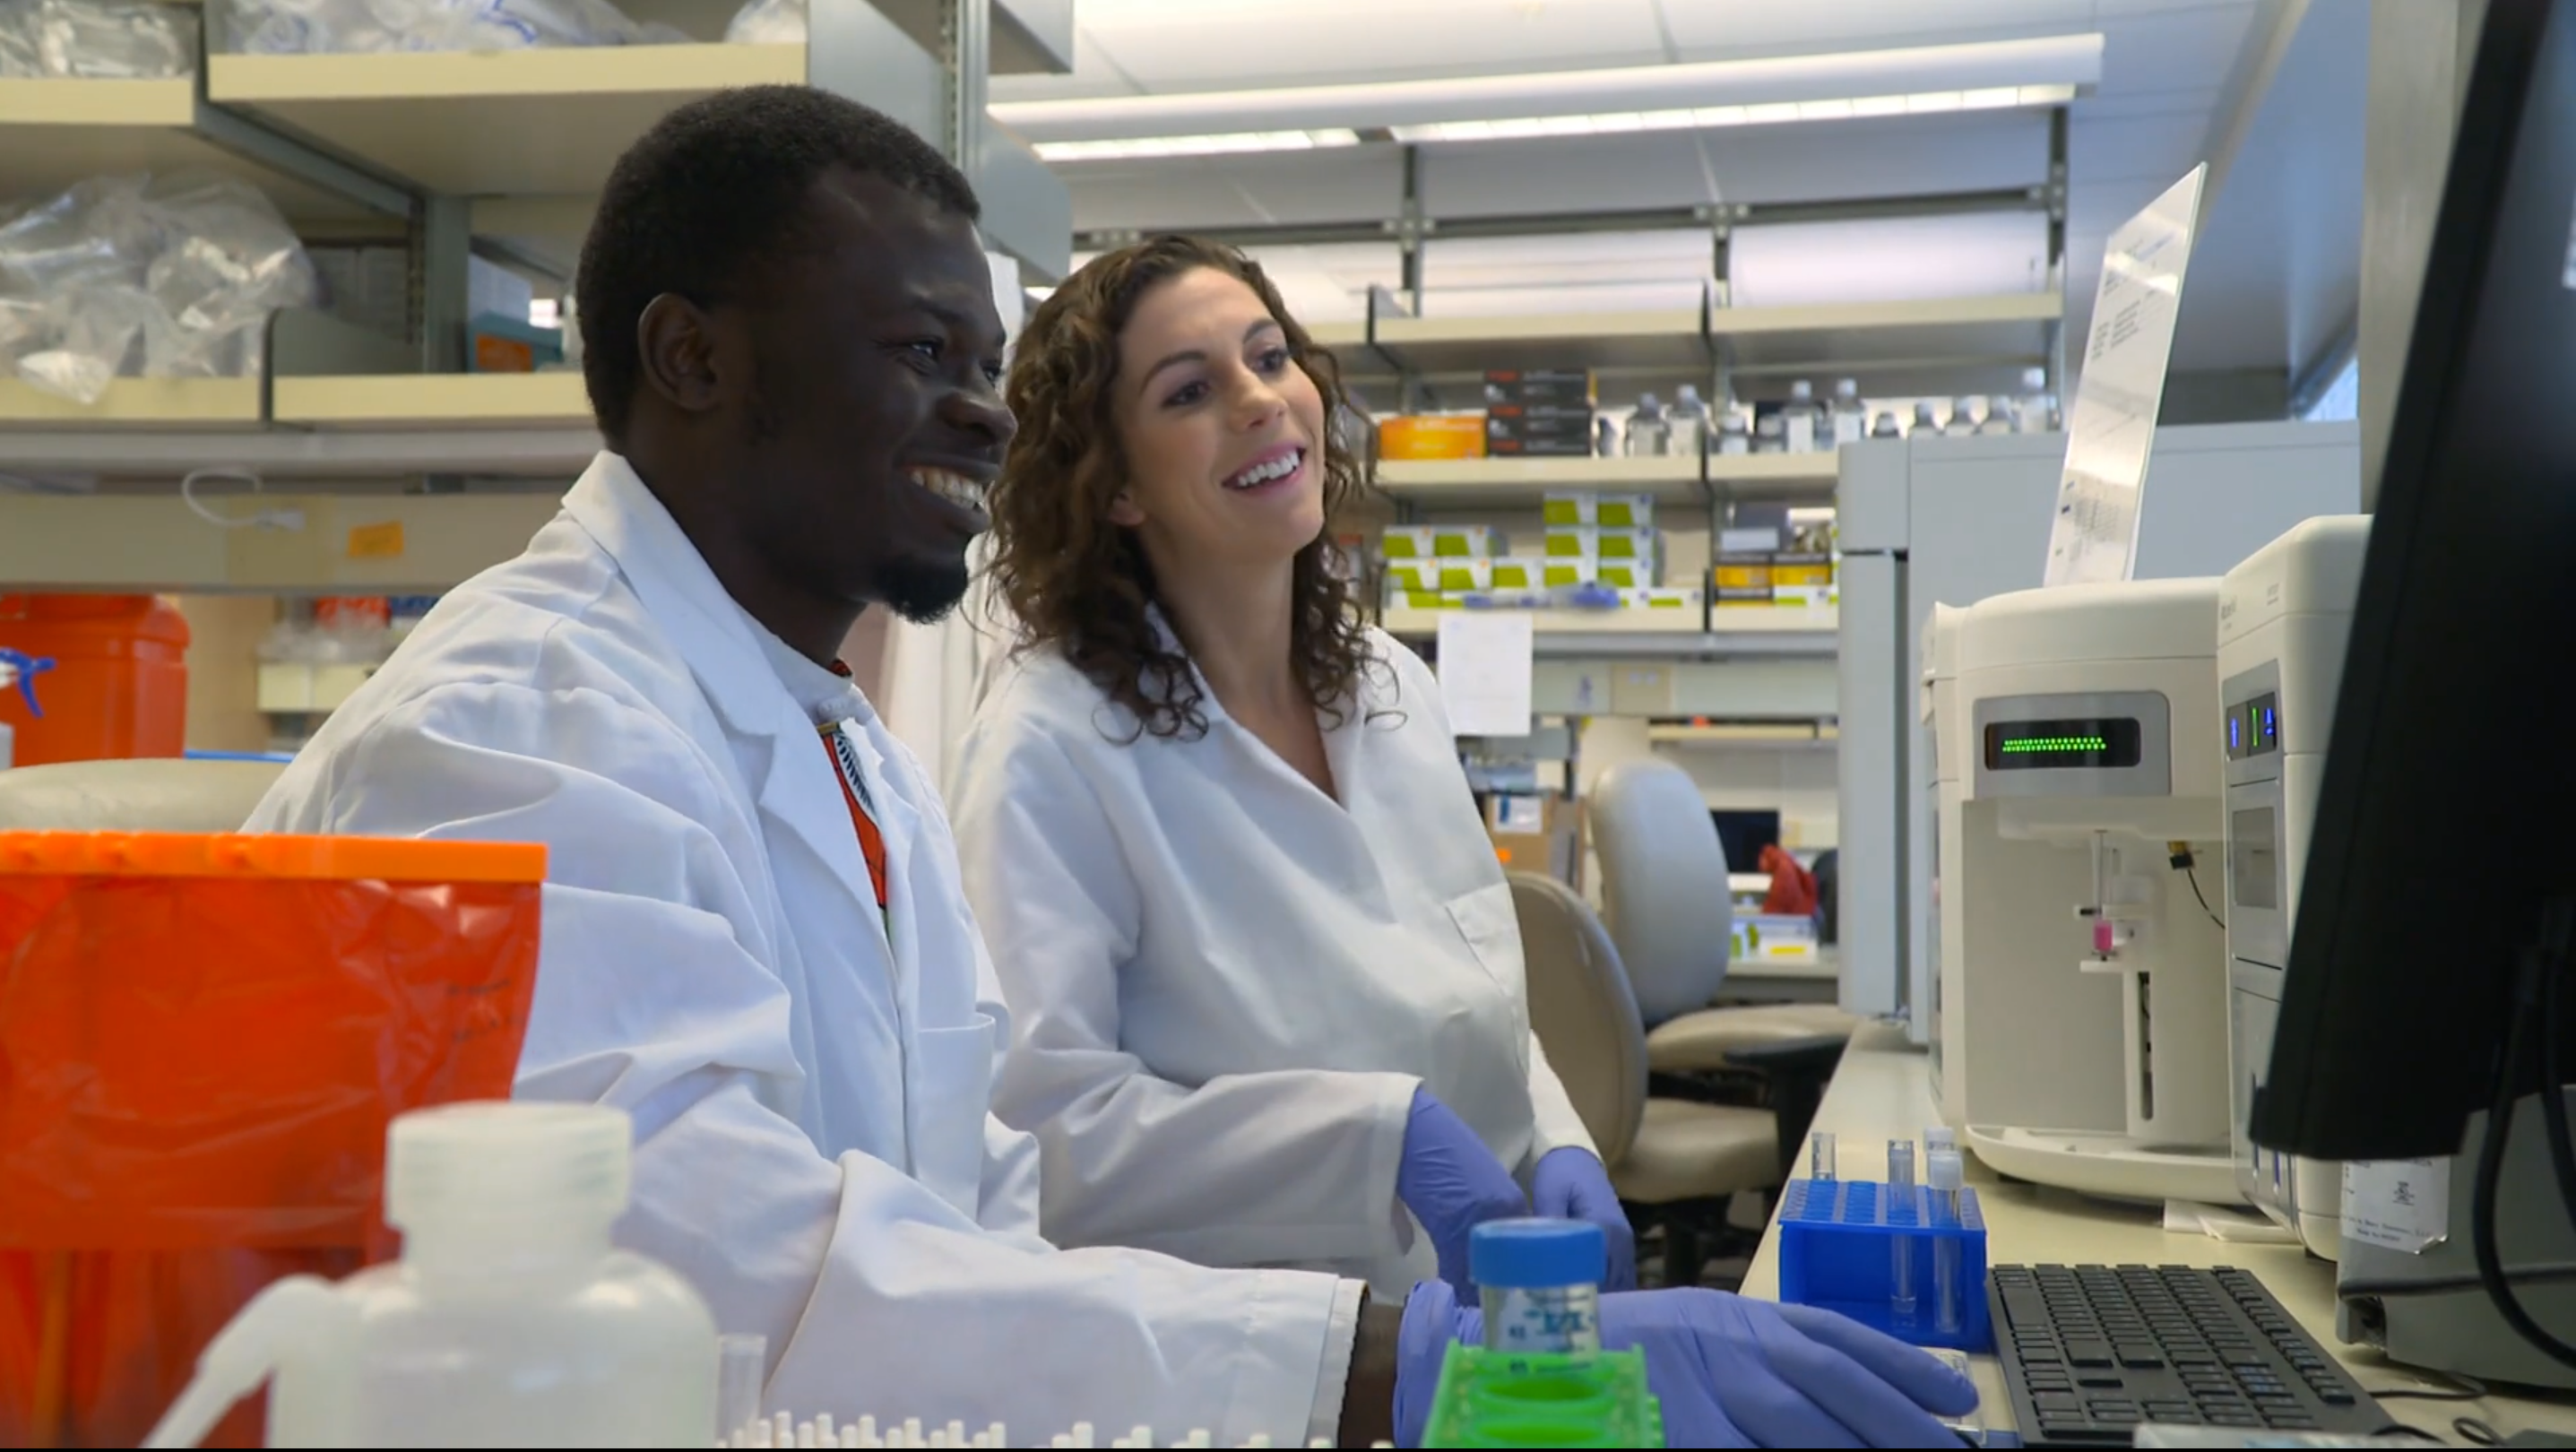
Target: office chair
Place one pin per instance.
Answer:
(1675, 1163)
(1664, 900)
(156, 794)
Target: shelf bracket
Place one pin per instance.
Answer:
(281, 153)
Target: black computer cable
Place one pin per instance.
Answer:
(2179, 856)
(2534, 1008)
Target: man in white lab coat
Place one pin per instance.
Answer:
(755, 936)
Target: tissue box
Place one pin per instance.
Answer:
(1521, 572)
(1562, 571)
(1595, 542)
(1628, 574)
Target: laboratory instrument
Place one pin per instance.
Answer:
(1540, 1284)
(2093, 1352)
(2283, 616)
(1900, 1248)
(1931, 521)
(1802, 421)
(2412, 1041)
(2081, 1022)
(1903, 1258)
(509, 1321)
(1946, 1176)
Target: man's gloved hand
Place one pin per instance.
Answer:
(1569, 1184)
(1452, 1184)
(1729, 1371)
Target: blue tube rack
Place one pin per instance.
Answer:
(1835, 1239)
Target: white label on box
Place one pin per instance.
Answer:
(1485, 671)
(2400, 1205)
(1520, 814)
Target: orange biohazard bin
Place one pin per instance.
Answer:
(202, 1041)
(97, 677)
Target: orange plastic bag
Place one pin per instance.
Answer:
(202, 1041)
(1793, 887)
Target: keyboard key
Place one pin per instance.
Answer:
(2048, 1402)
(2140, 1358)
(2089, 1353)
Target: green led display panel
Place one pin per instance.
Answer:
(2106, 742)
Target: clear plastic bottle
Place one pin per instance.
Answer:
(1850, 416)
(1648, 435)
(509, 1321)
(1606, 438)
(1999, 416)
(1688, 425)
(1963, 417)
(1885, 428)
(1802, 423)
(1540, 1282)
(1926, 422)
(1770, 435)
(1733, 437)
(2036, 411)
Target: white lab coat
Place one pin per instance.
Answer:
(1225, 986)
(813, 1148)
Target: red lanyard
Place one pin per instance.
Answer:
(854, 792)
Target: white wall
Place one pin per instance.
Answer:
(1796, 781)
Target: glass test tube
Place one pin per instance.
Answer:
(742, 1366)
(1900, 1245)
(1945, 1172)
(1820, 1155)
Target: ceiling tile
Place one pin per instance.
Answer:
(1720, 29)
(2149, 147)
(2173, 50)
(1183, 45)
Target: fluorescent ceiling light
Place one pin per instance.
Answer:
(1214, 144)
(1767, 91)
(1923, 103)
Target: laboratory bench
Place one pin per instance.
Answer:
(1883, 1091)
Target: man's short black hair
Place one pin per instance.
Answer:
(715, 186)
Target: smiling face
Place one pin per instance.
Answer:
(869, 424)
(1221, 430)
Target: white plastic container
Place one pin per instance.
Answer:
(509, 1321)
(1688, 425)
(1849, 415)
(1802, 420)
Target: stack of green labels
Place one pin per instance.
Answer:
(1595, 1399)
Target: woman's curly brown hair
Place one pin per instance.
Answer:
(1082, 585)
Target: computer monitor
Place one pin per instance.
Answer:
(2445, 828)
(1744, 834)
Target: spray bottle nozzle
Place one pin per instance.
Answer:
(19, 667)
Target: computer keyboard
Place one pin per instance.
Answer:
(2092, 1352)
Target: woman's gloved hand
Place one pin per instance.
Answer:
(1569, 1184)
(1729, 1371)
(1452, 1184)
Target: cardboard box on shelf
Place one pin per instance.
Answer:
(1570, 447)
(1743, 572)
(1521, 572)
(1660, 599)
(1563, 387)
(1424, 436)
(1629, 574)
(1571, 570)
(1802, 579)
(1554, 848)
(1589, 541)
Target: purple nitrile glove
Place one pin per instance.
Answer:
(1569, 1184)
(1452, 1184)
(1729, 1371)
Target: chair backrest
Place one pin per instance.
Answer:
(1663, 885)
(147, 795)
(1581, 1010)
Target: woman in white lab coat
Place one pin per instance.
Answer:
(1255, 940)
